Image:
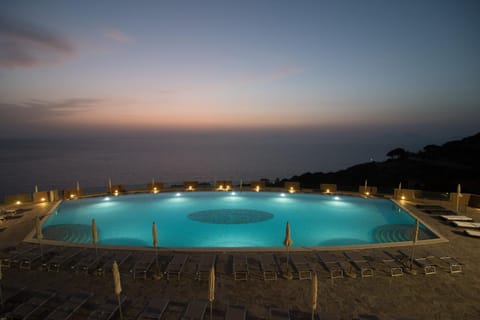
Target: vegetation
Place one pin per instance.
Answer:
(434, 168)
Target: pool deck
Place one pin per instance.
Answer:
(412, 296)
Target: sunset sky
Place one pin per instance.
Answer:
(106, 67)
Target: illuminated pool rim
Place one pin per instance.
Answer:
(260, 223)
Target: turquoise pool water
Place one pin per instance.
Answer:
(232, 220)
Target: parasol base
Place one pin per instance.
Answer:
(288, 276)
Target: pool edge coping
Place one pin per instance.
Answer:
(441, 239)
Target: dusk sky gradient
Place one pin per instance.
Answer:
(390, 68)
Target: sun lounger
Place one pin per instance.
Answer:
(301, 266)
(176, 265)
(424, 261)
(278, 314)
(119, 256)
(240, 267)
(465, 224)
(456, 218)
(269, 266)
(14, 256)
(331, 263)
(429, 206)
(359, 261)
(66, 310)
(236, 313)
(88, 262)
(27, 259)
(195, 310)
(60, 260)
(206, 263)
(142, 265)
(396, 268)
(10, 293)
(454, 265)
(428, 266)
(154, 310)
(35, 302)
(472, 233)
(106, 310)
(439, 211)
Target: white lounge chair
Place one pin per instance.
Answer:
(207, 261)
(456, 218)
(176, 265)
(68, 307)
(466, 224)
(331, 263)
(236, 313)
(396, 268)
(195, 310)
(240, 267)
(359, 261)
(278, 314)
(472, 233)
(154, 310)
(301, 266)
(269, 266)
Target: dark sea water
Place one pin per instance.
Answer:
(58, 163)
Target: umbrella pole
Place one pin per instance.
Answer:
(411, 258)
(120, 307)
(156, 262)
(211, 310)
(1, 296)
(288, 258)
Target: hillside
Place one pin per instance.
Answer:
(434, 168)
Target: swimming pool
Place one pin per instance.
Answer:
(232, 220)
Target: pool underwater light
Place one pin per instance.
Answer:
(178, 194)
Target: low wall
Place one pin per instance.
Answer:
(15, 198)
(328, 187)
(369, 189)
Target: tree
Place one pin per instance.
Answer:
(397, 153)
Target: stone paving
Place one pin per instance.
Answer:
(412, 296)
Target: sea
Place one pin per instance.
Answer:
(59, 162)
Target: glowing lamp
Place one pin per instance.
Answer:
(227, 187)
(72, 196)
(291, 190)
(43, 199)
(367, 193)
(190, 188)
(403, 197)
(257, 188)
(18, 202)
(328, 191)
(115, 193)
(220, 187)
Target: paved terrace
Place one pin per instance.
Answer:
(438, 296)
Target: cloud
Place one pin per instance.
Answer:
(116, 35)
(26, 45)
(36, 111)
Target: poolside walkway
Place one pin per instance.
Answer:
(437, 296)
